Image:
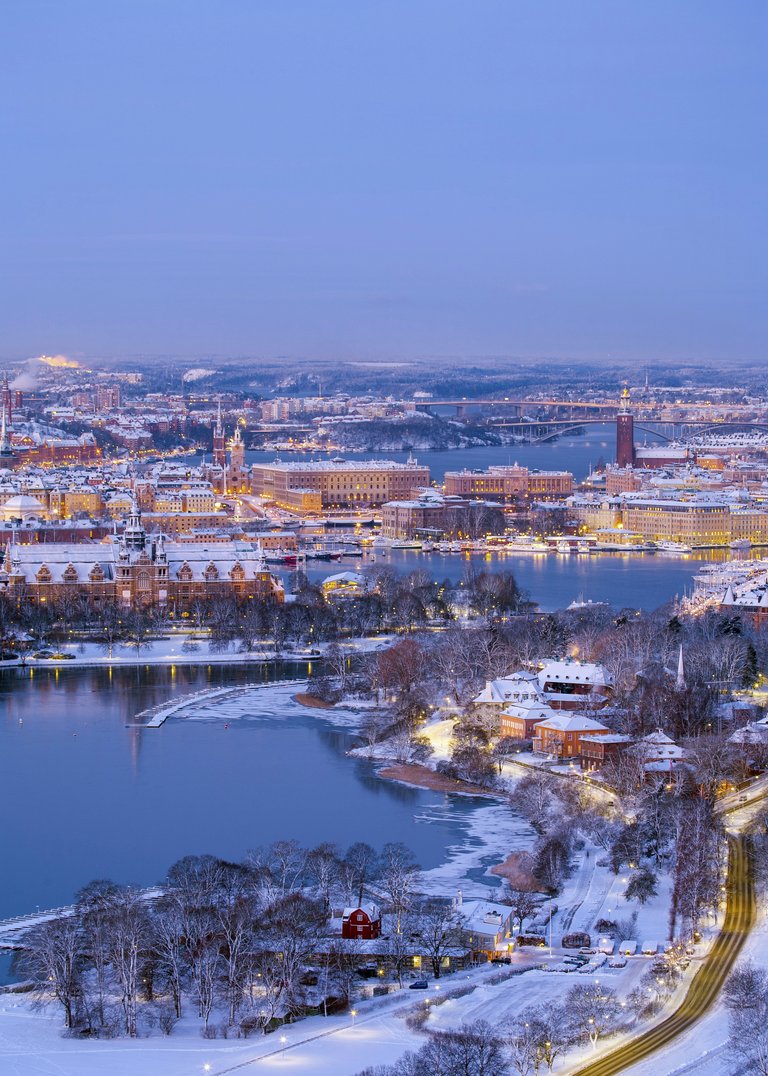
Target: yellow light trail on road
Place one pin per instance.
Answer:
(708, 981)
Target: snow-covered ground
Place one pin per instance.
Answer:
(170, 650)
(702, 1049)
(31, 1043)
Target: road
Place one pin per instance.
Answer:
(708, 981)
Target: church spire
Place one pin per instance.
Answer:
(680, 681)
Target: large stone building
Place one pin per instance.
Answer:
(138, 570)
(340, 483)
(509, 484)
(430, 515)
(697, 521)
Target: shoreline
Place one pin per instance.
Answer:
(311, 702)
(411, 773)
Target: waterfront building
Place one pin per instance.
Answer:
(341, 484)
(431, 515)
(695, 522)
(509, 484)
(137, 570)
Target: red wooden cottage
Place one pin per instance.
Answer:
(363, 922)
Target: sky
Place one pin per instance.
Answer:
(384, 179)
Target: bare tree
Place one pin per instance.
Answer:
(128, 936)
(53, 959)
(593, 1010)
(522, 903)
(167, 926)
(439, 926)
(95, 903)
(398, 877)
(361, 865)
(322, 868)
(540, 1035)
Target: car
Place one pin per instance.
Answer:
(743, 799)
(43, 654)
(58, 656)
(586, 951)
(420, 984)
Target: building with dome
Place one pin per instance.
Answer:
(23, 508)
(138, 570)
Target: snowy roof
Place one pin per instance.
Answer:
(529, 711)
(520, 686)
(569, 671)
(658, 747)
(343, 577)
(371, 910)
(483, 916)
(614, 737)
(565, 721)
(21, 500)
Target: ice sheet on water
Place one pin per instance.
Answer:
(492, 832)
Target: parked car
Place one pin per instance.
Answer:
(420, 984)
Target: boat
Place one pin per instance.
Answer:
(405, 543)
(580, 604)
(672, 547)
(427, 547)
(526, 545)
(740, 543)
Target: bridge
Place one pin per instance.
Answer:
(539, 431)
(608, 409)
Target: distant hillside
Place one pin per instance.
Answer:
(420, 431)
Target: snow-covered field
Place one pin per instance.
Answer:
(31, 1043)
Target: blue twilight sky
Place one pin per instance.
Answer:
(384, 178)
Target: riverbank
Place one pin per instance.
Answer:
(410, 773)
(312, 702)
(516, 869)
(176, 651)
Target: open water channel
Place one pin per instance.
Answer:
(86, 796)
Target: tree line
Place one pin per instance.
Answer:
(245, 944)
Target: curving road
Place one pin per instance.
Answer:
(708, 981)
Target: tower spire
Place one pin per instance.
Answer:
(6, 452)
(680, 681)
